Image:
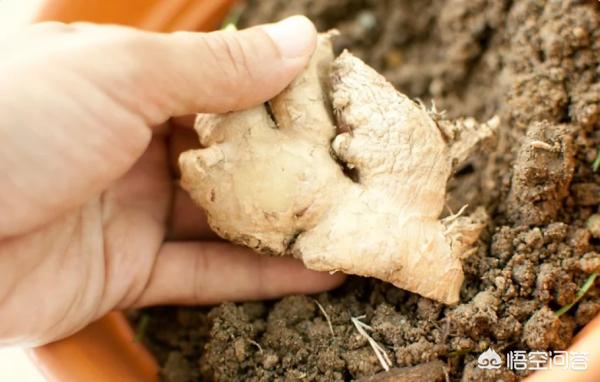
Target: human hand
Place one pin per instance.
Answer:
(91, 217)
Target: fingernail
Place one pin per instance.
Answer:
(295, 36)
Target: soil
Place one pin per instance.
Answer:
(536, 65)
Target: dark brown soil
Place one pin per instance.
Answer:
(533, 63)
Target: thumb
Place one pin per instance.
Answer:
(93, 92)
(222, 71)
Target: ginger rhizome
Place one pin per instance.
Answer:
(344, 172)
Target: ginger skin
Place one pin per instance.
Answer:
(272, 180)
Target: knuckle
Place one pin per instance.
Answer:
(232, 57)
(233, 50)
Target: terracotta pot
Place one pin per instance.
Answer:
(106, 351)
(155, 15)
